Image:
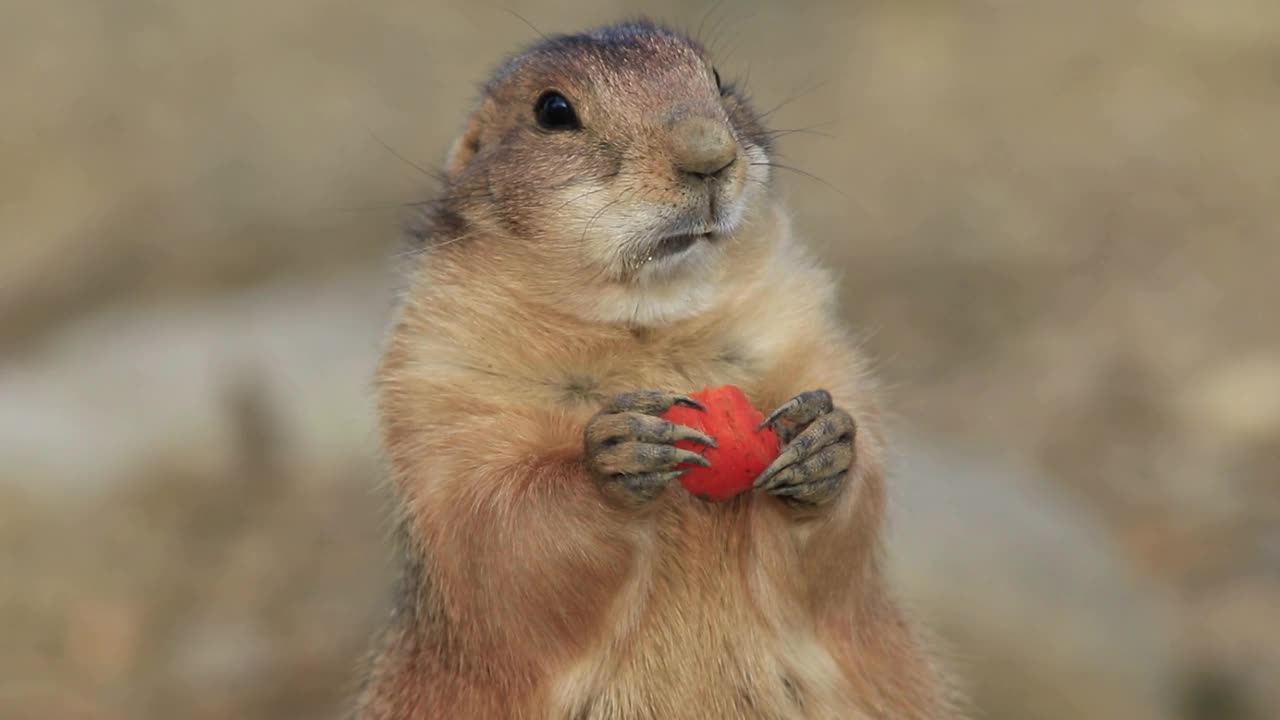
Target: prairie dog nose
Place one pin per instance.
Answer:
(702, 147)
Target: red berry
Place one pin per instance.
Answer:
(743, 453)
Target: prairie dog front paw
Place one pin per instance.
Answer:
(815, 462)
(630, 450)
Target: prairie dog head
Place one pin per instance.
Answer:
(618, 160)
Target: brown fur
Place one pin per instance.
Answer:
(527, 593)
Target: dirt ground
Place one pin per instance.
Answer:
(1057, 224)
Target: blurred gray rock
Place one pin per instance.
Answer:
(114, 392)
(1042, 617)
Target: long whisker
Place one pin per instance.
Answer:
(705, 16)
(793, 98)
(386, 146)
(710, 40)
(807, 130)
(588, 193)
(744, 81)
(386, 206)
(525, 20)
(597, 216)
(452, 240)
(602, 178)
(804, 173)
(723, 55)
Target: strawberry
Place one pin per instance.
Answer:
(743, 452)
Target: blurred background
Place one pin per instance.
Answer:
(1057, 226)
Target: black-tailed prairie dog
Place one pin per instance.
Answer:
(608, 239)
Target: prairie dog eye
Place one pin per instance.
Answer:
(554, 112)
(719, 85)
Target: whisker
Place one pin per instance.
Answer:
(601, 178)
(793, 98)
(807, 130)
(745, 81)
(525, 20)
(579, 181)
(386, 146)
(707, 41)
(723, 55)
(451, 241)
(371, 208)
(588, 193)
(697, 35)
(401, 206)
(476, 195)
(804, 173)
(408, 253)
(596, 216)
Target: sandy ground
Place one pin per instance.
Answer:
(1056, 224)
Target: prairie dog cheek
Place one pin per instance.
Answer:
(602, 220)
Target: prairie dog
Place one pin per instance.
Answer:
(607, 241)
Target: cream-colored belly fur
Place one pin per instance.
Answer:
(690, 640)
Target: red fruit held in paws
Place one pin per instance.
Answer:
(743, 453)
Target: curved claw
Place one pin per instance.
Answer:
(684, 432)
(620, 427)
(641, 487)
(650, 403)
(687, 457)
(690, 403)
(834, 458)
(814, 493)
(630, 448)
(801, 409)
(636, 458)
(821, 433)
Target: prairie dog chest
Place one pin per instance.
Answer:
(674, 366)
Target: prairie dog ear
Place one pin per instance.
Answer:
(468, 145)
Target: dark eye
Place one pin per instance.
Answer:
(719, 85)
(555, 113)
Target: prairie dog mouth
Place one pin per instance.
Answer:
(669, 251)
(675, 244)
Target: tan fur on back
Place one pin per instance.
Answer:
(528, 595)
